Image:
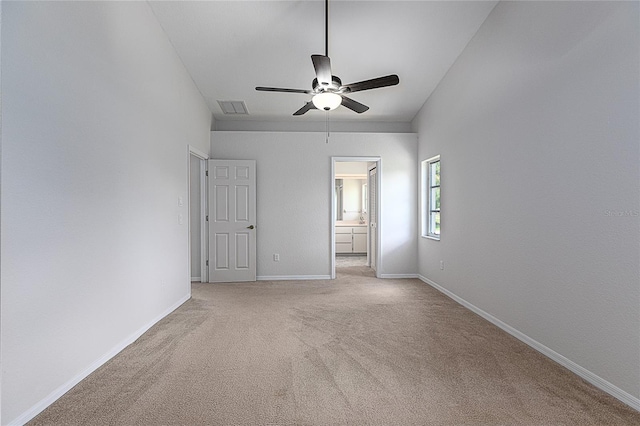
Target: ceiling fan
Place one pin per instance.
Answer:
(327, 89)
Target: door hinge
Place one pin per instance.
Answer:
(206, 173)
(207, 219)
(207, 263)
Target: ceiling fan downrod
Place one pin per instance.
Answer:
(326, 27)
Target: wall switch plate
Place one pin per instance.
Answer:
(442, 265)
(180, 202)
(276, 257)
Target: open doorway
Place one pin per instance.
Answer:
(197, 203)
(354, 214)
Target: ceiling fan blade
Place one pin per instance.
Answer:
(354, 105)
(278, 89)
(389, 80)
(304, 109)
(322, 64)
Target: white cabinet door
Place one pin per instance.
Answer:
(343, 248)
(232, 219)
(359, 243)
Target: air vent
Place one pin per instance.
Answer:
(233, 107)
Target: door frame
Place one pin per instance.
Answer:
(332, 213)
(370, 260)
(204, 231)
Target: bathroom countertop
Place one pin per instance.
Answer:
(349, 223)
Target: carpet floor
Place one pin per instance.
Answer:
(343, 261)
(353, 351)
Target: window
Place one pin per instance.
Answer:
(431, 198)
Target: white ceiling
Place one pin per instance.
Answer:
(230, 47)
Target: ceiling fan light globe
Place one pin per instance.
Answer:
(326, 101)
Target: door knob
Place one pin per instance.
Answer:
(250, 227)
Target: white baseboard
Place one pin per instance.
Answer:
(53, 396)
(292, 277)
(587, 375)
(196, 279)
(391, 276)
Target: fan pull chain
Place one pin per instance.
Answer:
(327, 127)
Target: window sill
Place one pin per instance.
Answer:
(430, 237)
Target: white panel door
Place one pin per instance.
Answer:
(373, 217)
(232, 219)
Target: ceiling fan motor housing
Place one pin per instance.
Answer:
(335, 85)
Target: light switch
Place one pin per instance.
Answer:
(180, 202)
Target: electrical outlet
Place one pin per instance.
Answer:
(442, 265)
(276, 257)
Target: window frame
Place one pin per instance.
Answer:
(427, 201)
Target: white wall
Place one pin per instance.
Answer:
(351, 168)
(537, 126)
(294, 191)
(97, 114)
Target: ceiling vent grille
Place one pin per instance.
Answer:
(233, 107)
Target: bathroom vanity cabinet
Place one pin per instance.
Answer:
(351, 239)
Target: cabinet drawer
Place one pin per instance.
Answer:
(343, 238)
(359, 229)
(344, 247)
(343, 229)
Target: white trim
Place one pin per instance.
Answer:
(292, 277)
(332, 215)
(425, 198)
(432, 159)
(204, 224)
(204, 233)
(392, 276)
(196, 279)
(379, 221)
(587, 375)
(195, 151)
(53, 396)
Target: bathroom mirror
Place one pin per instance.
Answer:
(350, 200)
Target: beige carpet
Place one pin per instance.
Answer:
(344, 260)
(354, 351)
